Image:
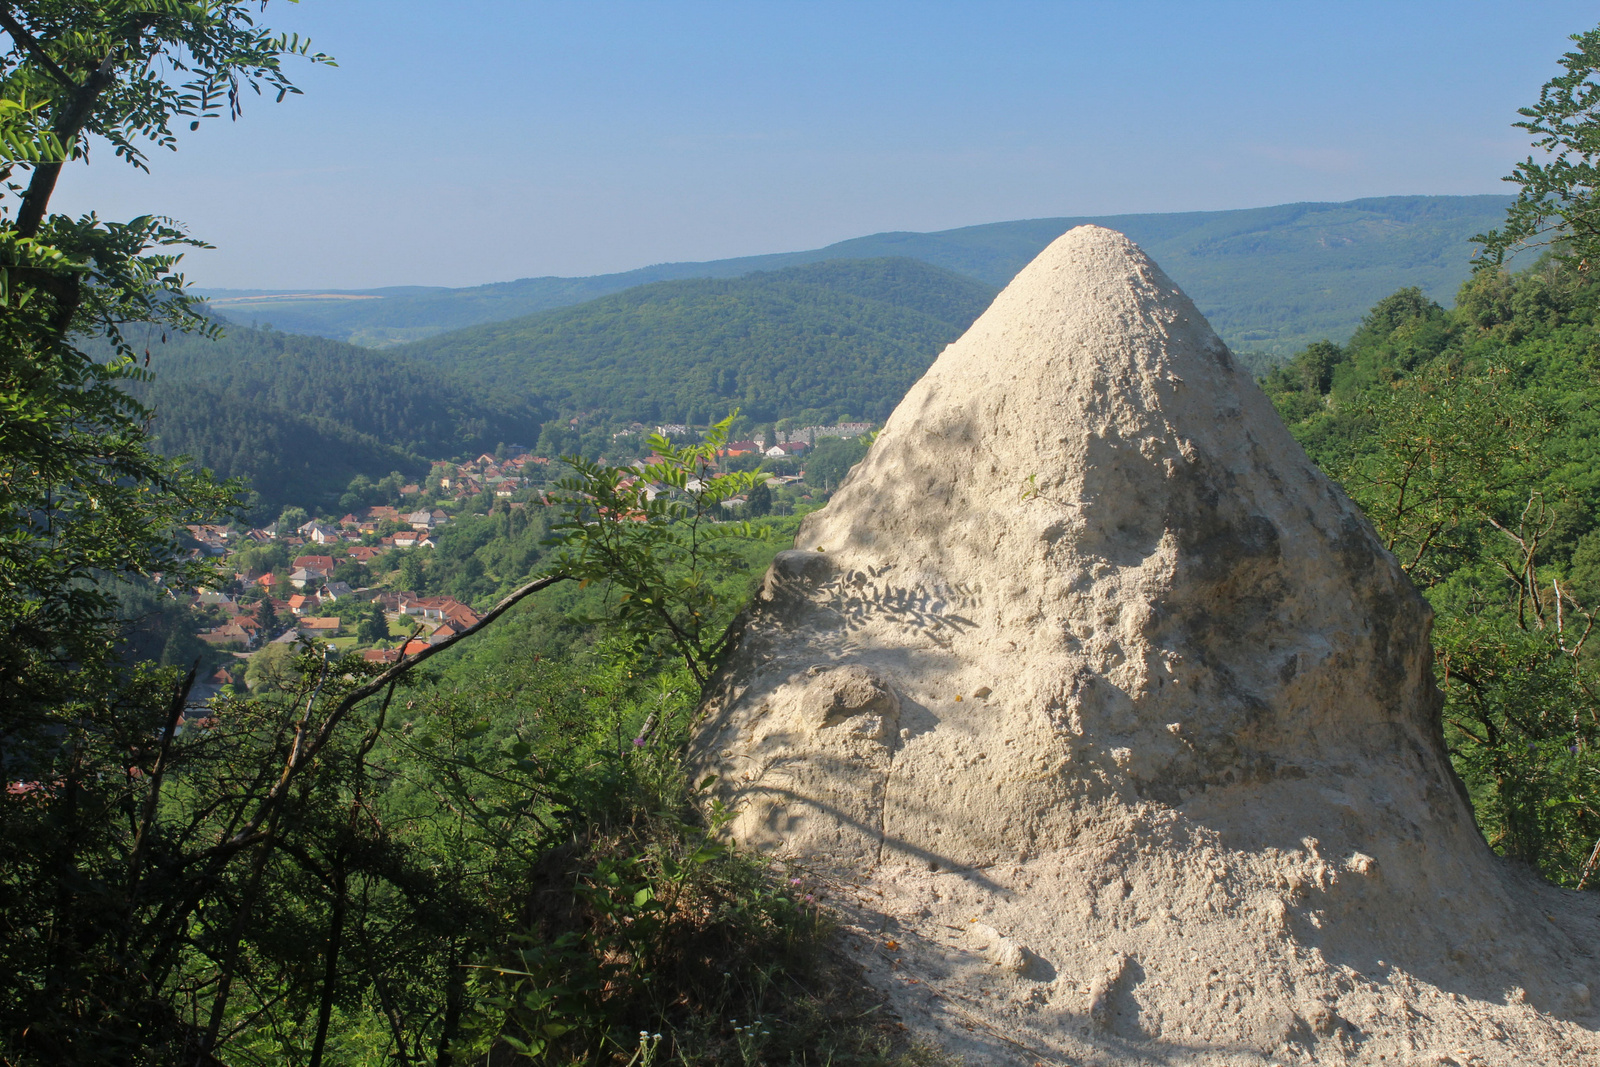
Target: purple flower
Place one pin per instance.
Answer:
(794, 881)
(638, 742)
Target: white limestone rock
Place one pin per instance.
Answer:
(1087, 646)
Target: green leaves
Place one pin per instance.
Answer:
(660, 539)
(1557, 199)
(1450, 447)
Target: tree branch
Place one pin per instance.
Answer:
(34, 48)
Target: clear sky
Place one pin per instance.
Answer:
(472, 141)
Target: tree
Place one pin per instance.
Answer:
(374, 626)
(831, 459)
(660, 545)
(292, 519)
(267, 618)
(1557, 201)
(273, 668)
(759, 500)
(84, 499)
(411, 573)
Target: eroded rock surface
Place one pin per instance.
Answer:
(1087, 653)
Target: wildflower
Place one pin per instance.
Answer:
(638, 742)
(809, 898)
(794, 881)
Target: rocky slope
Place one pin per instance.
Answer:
(1113, 726)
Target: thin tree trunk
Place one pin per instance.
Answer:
(454, 994)
(330, 970)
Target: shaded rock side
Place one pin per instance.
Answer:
(1087, 651)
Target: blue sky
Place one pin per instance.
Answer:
(484, 140)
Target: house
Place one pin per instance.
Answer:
(381, 655)
(405, 539)
(267, 580)
(298, 603)
(410, 490)
(444, 608)
(793, 448)
(740, 448)
(364, 553)
(321, 565)
(336, 590)
(415, 646)
(231, 634)
(213, 540)
(328, 627)
(321, 533)
(391, 601)
(420, 520)
(300, 577)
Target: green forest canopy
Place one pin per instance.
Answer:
(299, 416)
(847, 335)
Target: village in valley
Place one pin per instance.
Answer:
(357, 582)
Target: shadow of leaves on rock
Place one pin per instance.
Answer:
(929, 609)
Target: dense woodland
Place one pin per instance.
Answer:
(847, 335)
(299, 417)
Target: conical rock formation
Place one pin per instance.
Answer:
(1116, 722)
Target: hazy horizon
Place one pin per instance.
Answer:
(504, 140)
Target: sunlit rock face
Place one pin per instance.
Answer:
(1118, 711)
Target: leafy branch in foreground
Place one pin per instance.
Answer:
(1557, 200)
(661, 540)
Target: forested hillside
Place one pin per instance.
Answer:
(1269, 279)
(300, 416)
(846, 335)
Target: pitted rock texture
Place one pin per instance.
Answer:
(1091, 690)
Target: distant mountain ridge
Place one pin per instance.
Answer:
(845, 336)
(1270, 279)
